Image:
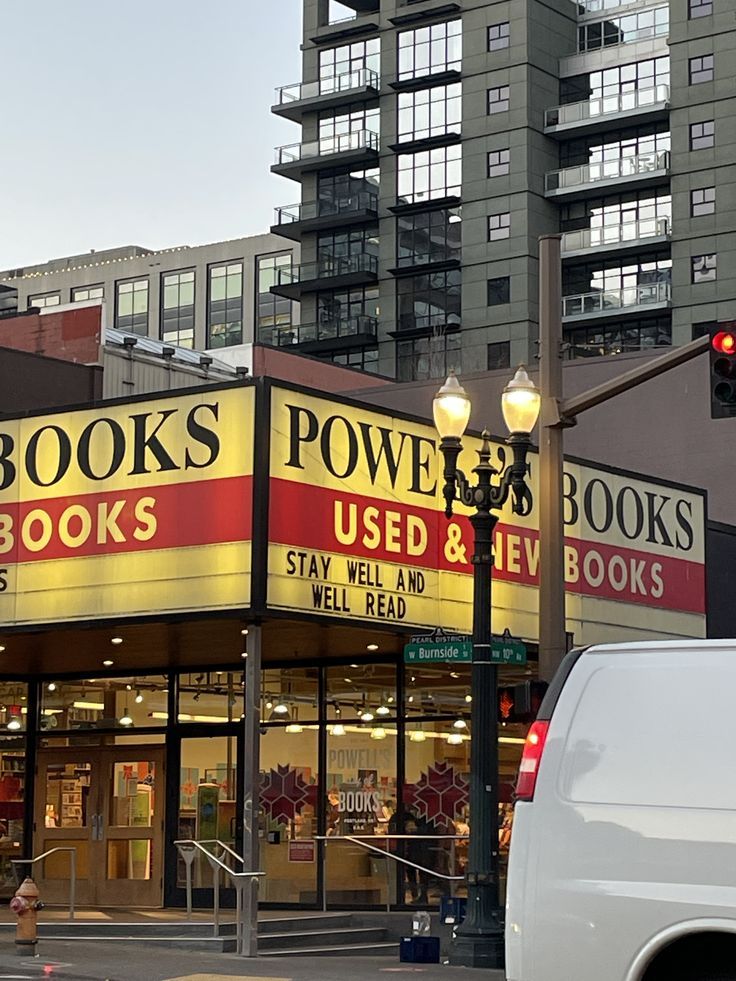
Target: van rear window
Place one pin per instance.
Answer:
(648, 731)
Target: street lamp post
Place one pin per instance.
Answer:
(478, 941)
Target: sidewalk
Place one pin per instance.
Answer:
(105, 961)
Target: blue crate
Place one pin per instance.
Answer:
(453, 910)
(419, 950)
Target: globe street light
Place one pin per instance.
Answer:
(478, 941)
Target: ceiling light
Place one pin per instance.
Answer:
(280, 708)
(1, 648)
(468, 698)
(419, 736)
(295, 728)
(244, 631)
(338, 730)
(390, 699)
(378, 733)
(366, 716)
(371, 647)
(269, 704)
(52, 686)
(383, 710)
(460, 724)
(455, 739)
(95, 706)
(354, 667)
(14, 724)
(107, 663)
(125, 719)
(138, 698)
(454, 674)
(116, 640)
(348, 681)
(244, 654)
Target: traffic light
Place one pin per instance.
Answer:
(520, 703)
(723, 371)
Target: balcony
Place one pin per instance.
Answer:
(602, 112)
(353, 149)
(293, 220)
(594, 8)
(593, 179)
(329, 272)
(333, 335)
(293, 101)
(631, 300)
(637, 236)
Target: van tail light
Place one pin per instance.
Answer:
(530, 760)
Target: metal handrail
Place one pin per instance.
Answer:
(73, 877)
(333, 85)
(573, 177)
(363, 841)
(626, 232)
(246, 927)
(602, 301)
(603, 105)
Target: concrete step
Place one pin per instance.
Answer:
(297, 923)
(310, 939)
(387, 949)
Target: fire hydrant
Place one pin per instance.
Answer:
(25, 904)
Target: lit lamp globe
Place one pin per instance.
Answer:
(451, 409)
(520, 403)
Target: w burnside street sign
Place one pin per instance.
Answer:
(441, 647)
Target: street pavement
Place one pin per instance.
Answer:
(107, 961)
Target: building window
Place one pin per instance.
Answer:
(225, 305)
(702, 135)
(640, 26)
(635, 335)
(499, 355)
(499, 226)
(419, 358)
(357, 189)
(334, 127)
(341, 243)
(430, 112)
(430, 50)
(647, 75)
(430, 174)
(498, 100)
(699, 8)
(273, 313)
(498, 36)
(131, 306)
(499, 291)
(640, 281)
(177, 308)
(499, 163)
(43, 300)
(430, 301)
(702, 202)
(631, 142)
(429, 236)
(362, 358)
(82, 293)
(619, 217)
(704, 268)
(348, 58)
(347, 306)
(701, 69)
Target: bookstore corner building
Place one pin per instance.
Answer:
(205, 600)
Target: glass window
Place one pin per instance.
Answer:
(430, 112)
(430, 174)
(499, 355)
(429, 302)
(637, 26)
(499, 163)
(337, 306)
(699, 8)
(44, 300)
(638, 77)
(81, 293)
(704, 268)
(429, 236)
(430, 50)
(348, 242)
(12, 804)
(702, 135)
(498, 99)
(433, 356)
(131, 306)
(499, 226)
(348, 58)
(225, 305)
(638, 335)
(498, 36)
(364, 692)
(273, 312)
(177, 308)
(335, 125)
(701, 69)
(211, 696)
(337, 192)
(114, 703)
(362, 358)
(499, 290)
(702, 201)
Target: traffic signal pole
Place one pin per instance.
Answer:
(557, 414)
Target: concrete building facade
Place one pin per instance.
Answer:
(213, 298)
(439, 140)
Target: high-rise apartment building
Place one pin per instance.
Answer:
(440, 139)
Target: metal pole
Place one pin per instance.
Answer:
(251, 792)
(73, 883)
(478, 941)
(216, 898)
(552, 639)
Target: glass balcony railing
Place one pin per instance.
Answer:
(601, 6)
(628, 233)
(618, 169)
(335, 85)
(614, 301)
(362, 139)
(599, 107)
(328, 267)
(291, 214)
(326, 331)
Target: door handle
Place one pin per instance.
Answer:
(94, 827)
(100, 828)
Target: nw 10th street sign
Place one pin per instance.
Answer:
(439, 648)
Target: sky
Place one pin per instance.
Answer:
(141, 122)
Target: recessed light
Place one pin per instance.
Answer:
(116, 640)
(372, 647)
(468, 698)
(1, 648)
(354, 667)
(460, 724)
(244, 654)
(108, 663)
(52, 686)
(244, 631)
(367, 716)
(383, 710)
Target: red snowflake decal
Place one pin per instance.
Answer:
(284, 793)
(439, 794)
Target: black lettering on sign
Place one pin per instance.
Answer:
(63, 455)
(206, 437)
(117, 448)
(331, 599)
(569, 492)
(658, 534)
(3, 580)
(7, 445)
(598, 521)
(297, 436)
(686, 542)
(145, 442)
(384, 606)
(631, 525)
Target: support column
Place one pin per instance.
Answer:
(251, 790)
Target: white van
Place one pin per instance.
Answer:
(623, 851)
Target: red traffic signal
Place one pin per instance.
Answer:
(723, 371)
(724, 342)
